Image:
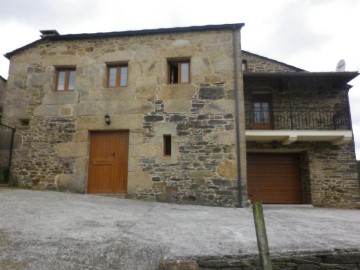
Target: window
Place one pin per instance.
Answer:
(167, 145)
(65, 79)
(117, 75)
(244, 65)
(179, 71)
(262, 112)
(25, 122)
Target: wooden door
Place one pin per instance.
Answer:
(274, 178)
(108, 165)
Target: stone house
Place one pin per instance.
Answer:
(178, 115)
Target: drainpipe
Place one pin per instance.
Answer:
(290, 106)
(237, 122)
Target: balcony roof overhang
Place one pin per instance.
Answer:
(338, 78)
(286, 137)
(345, 75)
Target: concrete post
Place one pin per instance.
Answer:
(261, 236)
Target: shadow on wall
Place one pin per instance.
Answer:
(4, 174)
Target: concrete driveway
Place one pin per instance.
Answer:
(53, 230)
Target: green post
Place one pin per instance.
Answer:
(262, 241)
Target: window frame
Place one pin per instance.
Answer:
(178, 62)
(68, 70)
(118, 67)
(263, 116)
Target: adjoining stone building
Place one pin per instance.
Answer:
(298, 131)
(169, 115)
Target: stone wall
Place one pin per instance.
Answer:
(314, 105)
(52, 151)
(321, 260)
(303, 93)
(205, 167)
(257, 63)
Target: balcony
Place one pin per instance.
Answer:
(297, 119)
(287, 125)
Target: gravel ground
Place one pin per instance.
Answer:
(55, 230)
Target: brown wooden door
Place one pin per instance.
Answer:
(108, 165)
(273, 178)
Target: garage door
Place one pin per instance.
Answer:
(273, 178)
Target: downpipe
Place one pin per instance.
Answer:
(237, 122)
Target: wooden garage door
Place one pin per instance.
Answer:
(108, 165)
(273, 178)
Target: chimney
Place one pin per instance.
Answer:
(48, 33)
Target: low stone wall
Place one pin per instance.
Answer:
(339, 259)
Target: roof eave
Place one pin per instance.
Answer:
(9, 54)
(235, 26)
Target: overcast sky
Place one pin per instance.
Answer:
(310, 34)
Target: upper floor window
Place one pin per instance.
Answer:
(262, 112)
(244, 65)
(117, 75)
(178, 71)
(65, 79)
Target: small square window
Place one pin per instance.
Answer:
(178, 71)
(117, 75)
(65, 79)
(25, 122)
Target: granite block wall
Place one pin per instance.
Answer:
(52, 144)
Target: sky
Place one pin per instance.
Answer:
(310, 34)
